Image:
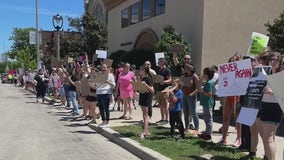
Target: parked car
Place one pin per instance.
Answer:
(4, 77)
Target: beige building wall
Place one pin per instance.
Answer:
(187, 19)
(228, 25)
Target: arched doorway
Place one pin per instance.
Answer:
(146, 40)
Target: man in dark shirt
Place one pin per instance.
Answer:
(161, 97)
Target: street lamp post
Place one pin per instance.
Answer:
(57, 21)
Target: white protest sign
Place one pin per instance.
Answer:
(234, 78)
(275, 83)
(32, 37)
(158, 56)
(247, 116)
(257, 44)
(101, 54)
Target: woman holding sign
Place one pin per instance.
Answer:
(145, 99)
(271, 111)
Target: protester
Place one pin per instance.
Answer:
(206, 101)
(271, 112)
(189, 100)
(162, 98)
(41, 81)
(73, 78)
(124, 86)
(145, 99)
(175, 108)
(104, 93)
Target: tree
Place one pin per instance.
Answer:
(169, 37)
(276, 34)
(93, 36)
(20, 36)
(21, 51)
(94, 33)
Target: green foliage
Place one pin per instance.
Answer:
(169, 37)
(94, 33)
(174, 148)
(20, 36)
(24, 56)
(276, 34)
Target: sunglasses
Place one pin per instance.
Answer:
(187, 58)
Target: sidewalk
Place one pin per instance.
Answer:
(146, 153)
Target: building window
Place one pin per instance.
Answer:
(99, 12)
(134, 13)
(159, 7)
(124, 18)
(146, 9)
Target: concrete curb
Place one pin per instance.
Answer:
(129, 144)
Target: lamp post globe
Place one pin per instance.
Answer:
(57, 21)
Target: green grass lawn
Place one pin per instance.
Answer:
(191, 148)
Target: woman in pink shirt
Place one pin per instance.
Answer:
(126, 90)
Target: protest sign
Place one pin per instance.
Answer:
(158, 56)
(176, 48)
(275, 83)
(257, 44)
(255, 89)
(108, 62)
(85, 87)
(69, 59)
(101, 54)
(139, 86)
(247, 116)
(158, 78)
(99, 78)
(187, 81)
(234, 78)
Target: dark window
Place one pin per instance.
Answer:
(124, 18)
(159, 7)
(146, 9)
(134, 13)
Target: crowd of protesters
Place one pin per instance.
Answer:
(176, 101)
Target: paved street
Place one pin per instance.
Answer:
(35, 131)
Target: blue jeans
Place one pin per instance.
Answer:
(73, 95)
(208, 119)
(103, 103)
(66, 90)
(189, 108)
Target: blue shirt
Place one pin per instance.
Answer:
(176, 105)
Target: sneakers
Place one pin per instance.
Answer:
(57, 104)
(205, 136)
(191, 127)
(159, 121)
(237, 143)
(75, 114)
(104, 125)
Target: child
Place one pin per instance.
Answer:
(175, 108)
(207, 102)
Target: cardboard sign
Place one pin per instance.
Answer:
(158, 56)
(101, 54)
(234, 78)
(108, 62)
(139, 86)
(187, 81)
(99, 78)
(275, 82)
(85, 87)
(158, 78)
(177, 48)
(168, 89)
(257, 44)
